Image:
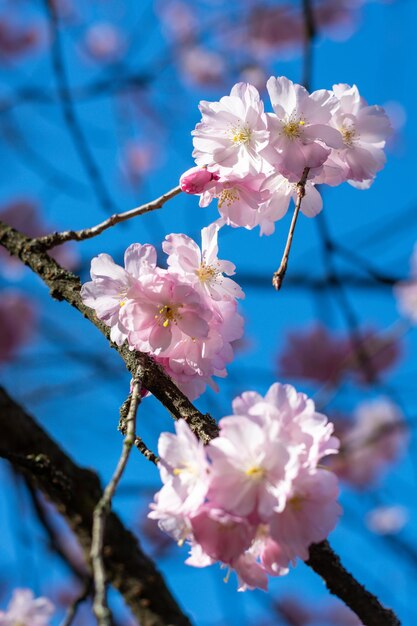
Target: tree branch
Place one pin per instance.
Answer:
(102, 510)
(129, 570)
(56, 239)
(366, 606)
(279, 275)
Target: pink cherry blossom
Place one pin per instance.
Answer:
(311, 514)
(239, 199)
(281, 191)
(159, 310)
(224, 537)
(197, 179)
(202, 268)
(254, 499)
(300, 132)
(232, 132)
(107, 293)
(251, 468)
(17, 323)
(364, 130)
(25, 609)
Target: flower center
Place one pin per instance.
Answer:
(348, 135)
(228, 197)
(167, 314)
(255, 472)
(206, 273)
(241, 135)
(292, 129)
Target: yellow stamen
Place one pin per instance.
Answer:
(228, 197)
(206, 273)
(255, 472)
(241, 135)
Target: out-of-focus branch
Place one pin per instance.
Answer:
(73, 608)
(56, 239)
(279, 275)
(56, 543)
(66, 286)
(70, 117)
(102, 510)
(75, 492)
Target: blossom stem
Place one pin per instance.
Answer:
(102, 509)
(279, 275)
(56, 239)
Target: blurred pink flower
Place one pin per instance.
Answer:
(24, 215)
(314, 354)
(387, 520)
(377, 439)
(17, 323)
(25, 609)
(201, 66)
(16, 40)
(104, 42)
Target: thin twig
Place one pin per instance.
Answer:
(70, 117)
(279, 275)
(56, 239)
(139, 443)
(74, 606)
(102, 509)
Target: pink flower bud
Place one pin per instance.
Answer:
(196, 180)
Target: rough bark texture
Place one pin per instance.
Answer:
(75, 492)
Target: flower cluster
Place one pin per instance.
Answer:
(255, 497)
(251, 161)
(26, 610)
(185, 316)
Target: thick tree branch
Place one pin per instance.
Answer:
(128, 569)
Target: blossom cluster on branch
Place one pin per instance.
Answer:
(251, 161)
(184, 316)
(256, 497)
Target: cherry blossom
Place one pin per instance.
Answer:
(186, 317)
(25, 609)
(232, 131)
(300, 132)
(254, 499)
(202, 268)
(364, 130)
(107, 293)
